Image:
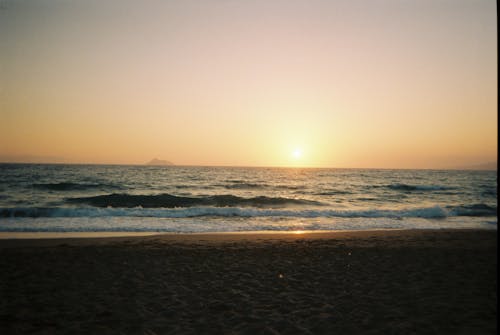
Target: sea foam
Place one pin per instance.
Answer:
(421, 212)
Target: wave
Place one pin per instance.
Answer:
(244, 186)
(489, 192)
(69, 186)
(333, 192)
(435, 212)
(171, 201)
(474, 210)
(408, 187)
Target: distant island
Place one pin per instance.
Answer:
(159, 162)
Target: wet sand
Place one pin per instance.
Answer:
(372, 282)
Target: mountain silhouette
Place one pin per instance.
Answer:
(159, 162)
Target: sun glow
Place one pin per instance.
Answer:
(297, 153)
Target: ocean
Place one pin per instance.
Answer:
(117, 198)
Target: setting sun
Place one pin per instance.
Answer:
(297, 153)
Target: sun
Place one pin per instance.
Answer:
(297, 153)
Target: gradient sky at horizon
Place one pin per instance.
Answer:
(388, 84)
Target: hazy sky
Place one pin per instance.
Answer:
(372, 83)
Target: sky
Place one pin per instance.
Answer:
(367, 84)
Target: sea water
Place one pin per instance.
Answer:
(98, 198)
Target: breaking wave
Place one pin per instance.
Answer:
(171, 201)
(474, 210)
(435, 212)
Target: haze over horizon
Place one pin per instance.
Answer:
(382, 84)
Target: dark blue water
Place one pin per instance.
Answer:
(44, 197)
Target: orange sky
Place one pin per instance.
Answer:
(390, 84)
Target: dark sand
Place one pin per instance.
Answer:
(377, 282)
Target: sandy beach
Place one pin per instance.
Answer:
(370, 282)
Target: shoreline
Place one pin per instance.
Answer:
(103, 238)
(16, 235)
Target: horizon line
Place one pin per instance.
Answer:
(471, 168)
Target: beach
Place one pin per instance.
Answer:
(248, 167)
(369, 282)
